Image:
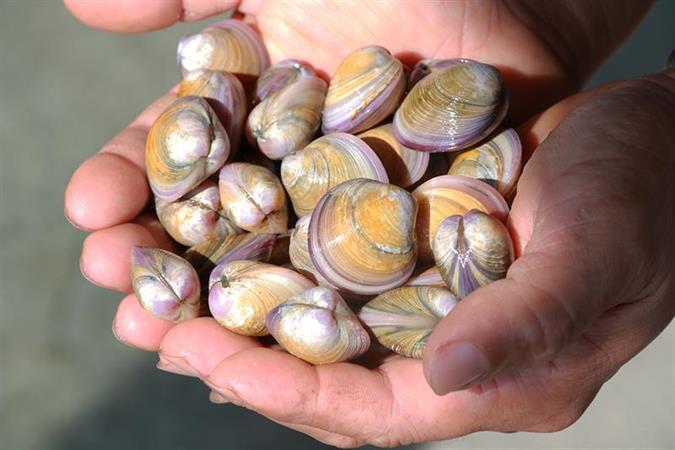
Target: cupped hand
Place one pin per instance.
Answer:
(546, 337)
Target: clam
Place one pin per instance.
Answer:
(426, 66)
(362, 236)
(403, 319)
(404, 166)
(225, 94)
(367, 87)
(298, 251)
(228, 46)
(452, 108)
(472, 250)
(242, 293)
(318, 327)
(287, 119)
(165, 284)
(430, 277)
(326, 162)
(196, 216)
(280, 75)
(250, 246)
(448, 195)
(185, 145)
(496, 162)
(253, 198)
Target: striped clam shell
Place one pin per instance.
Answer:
(279, 76)
(452, 109)
(185, 145)
(318, 327)
(426, 66)
(449, 195)
(195, 217)
(229, 46)
(430, 277)
(288, 119)
(253, 198)
(471, 251)
(242, 293)
(326, 162)
(403, 319)
(404, 165)
(165, 284)
(362, 238)
(298, 251)
(496, 162)
(367, 87)
(225, 94)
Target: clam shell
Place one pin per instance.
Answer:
(362, 238)
(242, 293)
(253, 198)
(228, 46)
(497, 162)
(298, 251)
(367, 87)
(195, 217)
(471, 251)
(225, 94)
(288, 119)
(448, 195)
(404, 165)
(452, 109)
(206, 255)
(280, 75)
(430, 277)
(318, 327)
(165, 284)
(326, 162)
(185, 145)
(403, 319)
(426, 66)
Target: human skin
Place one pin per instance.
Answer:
(593, 282)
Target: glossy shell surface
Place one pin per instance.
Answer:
(318, 327)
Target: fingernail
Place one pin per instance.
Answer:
(176, 365)
(215, 397)
(455, 366)
(116, 332)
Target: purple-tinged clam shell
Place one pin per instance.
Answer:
(318, 327)
(497, 162)
(448, 195)
(326, 162)
(362, 236)
(404, 166)
(430, 277)
(452, 108)
(195, 217)
(185, 145)
(225, 94)
(471, 251)
(165, 284)
(288, 119)
(403, 319)
(280, 75)
(426, 66)
(242, 293)
(367, 88)
(229, 46)
(253, 198)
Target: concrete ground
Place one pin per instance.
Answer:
(65, 382)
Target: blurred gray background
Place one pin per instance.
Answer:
(65, 382)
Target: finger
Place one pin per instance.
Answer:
(130, 16)
(197, 346)
(580, 260)
(111, 188)
(106, 254)
(134, 327)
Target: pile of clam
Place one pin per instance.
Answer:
(395, 182)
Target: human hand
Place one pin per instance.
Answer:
(109, 192)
